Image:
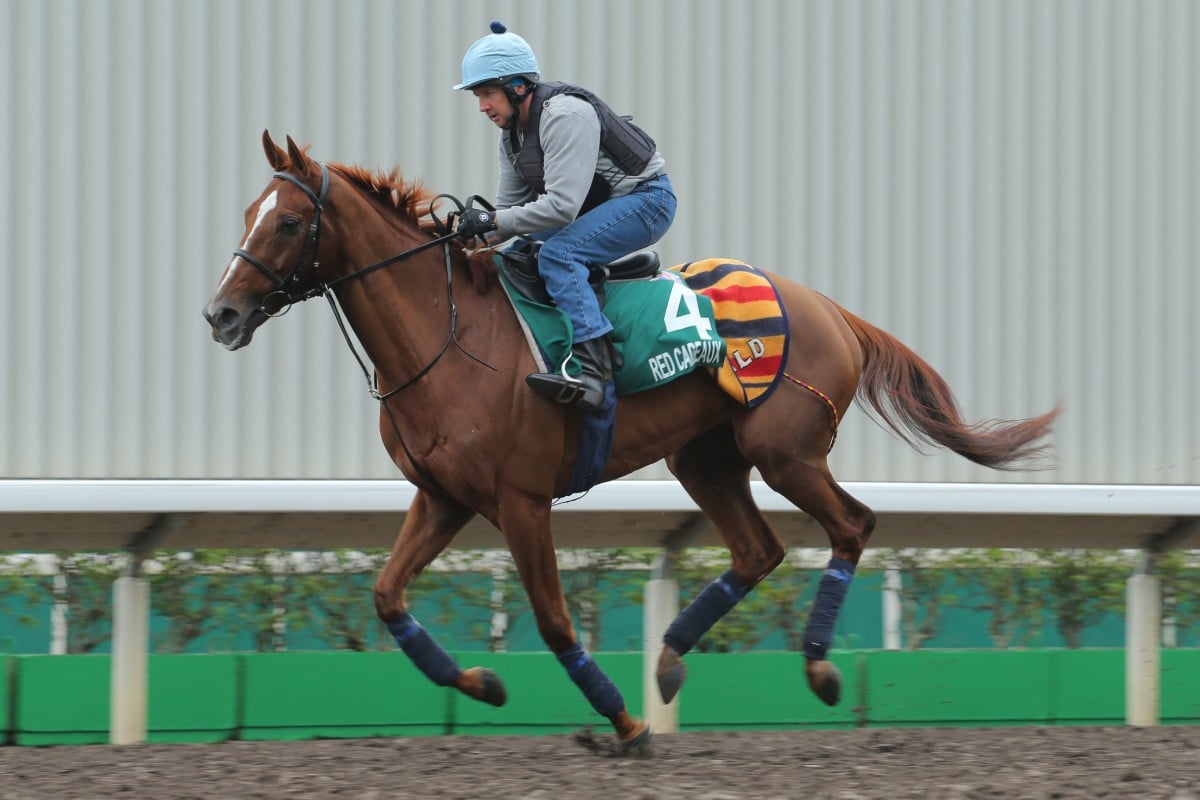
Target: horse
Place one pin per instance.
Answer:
(460, 423)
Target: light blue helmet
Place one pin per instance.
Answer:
(496, 58)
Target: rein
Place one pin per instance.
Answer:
(451, 335)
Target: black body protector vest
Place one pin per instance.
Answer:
(629, 147)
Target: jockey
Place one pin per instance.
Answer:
(587, 183)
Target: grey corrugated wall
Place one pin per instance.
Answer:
(1010, 186)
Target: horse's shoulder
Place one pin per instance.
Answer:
(480, 273)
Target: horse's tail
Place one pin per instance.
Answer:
(917, 403)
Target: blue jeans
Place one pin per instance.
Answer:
(615, 228)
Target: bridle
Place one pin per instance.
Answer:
(289, 292)
(284, 287)
(287, 288)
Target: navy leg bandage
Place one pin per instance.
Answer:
(591, 680)
(709, 606)
(425, 653)
(831, 591)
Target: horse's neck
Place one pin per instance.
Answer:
(404, 315)
(398, 313)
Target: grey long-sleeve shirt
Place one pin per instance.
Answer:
(570, 138)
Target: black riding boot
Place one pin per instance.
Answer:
(586, 391)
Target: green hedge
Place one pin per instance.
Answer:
(207, 698)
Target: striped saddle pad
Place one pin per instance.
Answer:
(750, 319)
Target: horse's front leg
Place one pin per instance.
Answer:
(525, 523)
(428, 527)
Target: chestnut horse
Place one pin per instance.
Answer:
(457, 418)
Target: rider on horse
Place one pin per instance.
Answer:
(585, 182)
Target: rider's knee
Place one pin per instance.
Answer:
(554, 251)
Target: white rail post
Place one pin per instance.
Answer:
(128, 683)
(892, 620)
(1143, 620)
(660, 608)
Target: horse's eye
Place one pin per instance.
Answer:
(289, 225)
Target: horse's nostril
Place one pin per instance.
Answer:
(221, 318)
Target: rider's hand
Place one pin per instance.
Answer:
(475, 222)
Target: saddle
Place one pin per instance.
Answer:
(519, 267)
(518, 270)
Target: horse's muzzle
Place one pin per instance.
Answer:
(231, 327)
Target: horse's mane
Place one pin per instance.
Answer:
(409, 198)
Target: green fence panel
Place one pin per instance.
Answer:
(8, 685)
(957, 687)
(62, 700)
(1087, 686)
(541, 696)
(338, 695)
(749, 691)
(53, 700)
(65, 699)
(1181, 687)
(192, 698)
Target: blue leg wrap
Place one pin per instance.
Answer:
(831, 591)
(425, 653)
(710, 605)
(591, 680)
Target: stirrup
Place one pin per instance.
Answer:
(566, 391)
(590, 389)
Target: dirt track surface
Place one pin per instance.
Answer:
(931, 763)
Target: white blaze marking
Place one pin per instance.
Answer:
(264, 208)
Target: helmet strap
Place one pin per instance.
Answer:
(510, 91)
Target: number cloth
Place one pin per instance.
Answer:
(717, 314)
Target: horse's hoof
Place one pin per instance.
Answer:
(636, 747)
(672, 672)
(825, 680)
(483, 685)
(671, 681)
(493, 689)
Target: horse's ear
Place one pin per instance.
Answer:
(301, 164)
(275, 155)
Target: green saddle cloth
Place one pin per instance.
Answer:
(662, 330)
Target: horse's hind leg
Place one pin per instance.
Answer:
(797, 469)
(716, 475)
(428, 527)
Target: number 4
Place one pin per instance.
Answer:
(683, 311)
